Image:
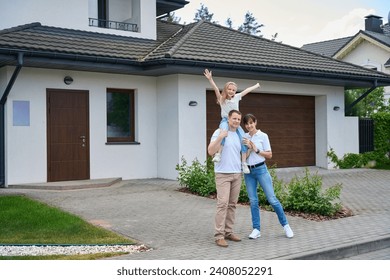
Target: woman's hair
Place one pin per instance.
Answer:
(249, 117)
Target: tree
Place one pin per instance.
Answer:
(250, 25)
(229, 23)
(204, 14)
(172, 18)
(374, 102)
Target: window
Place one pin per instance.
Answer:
(120, 115)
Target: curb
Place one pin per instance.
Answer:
(338, 253)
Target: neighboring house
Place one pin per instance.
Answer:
(88, 94)
(369, 48)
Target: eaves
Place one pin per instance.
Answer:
(357, 40)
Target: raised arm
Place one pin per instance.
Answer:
(249, 89)
(215, 144)
(209, 77)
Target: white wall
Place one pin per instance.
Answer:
(26, 146)
(192, 119)
(342, 132)
(167, 126)
(368, 54)
(71, 14)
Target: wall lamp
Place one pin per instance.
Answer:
(68, 80)
(193, 103)
(336, 108)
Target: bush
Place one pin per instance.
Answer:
(301, 194)
(197, 178)
(380, 156)
(350, 160)
(305, 195)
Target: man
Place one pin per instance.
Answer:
(227, 178)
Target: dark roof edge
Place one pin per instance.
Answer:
(265, 70)
(374, 38)
(20, 27)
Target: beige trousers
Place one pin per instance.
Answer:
(228, 189)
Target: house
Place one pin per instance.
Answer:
(369, 48)
(105, 90)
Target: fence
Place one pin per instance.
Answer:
(366, 135)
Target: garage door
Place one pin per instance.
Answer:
(289, 121)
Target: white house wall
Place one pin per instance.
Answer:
(167, 126)
(368, 54)
(193, 119)
(26, 146)
(71, 14)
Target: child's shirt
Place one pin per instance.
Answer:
(229, 105)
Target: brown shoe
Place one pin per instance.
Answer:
(233, 237)
(221, 242)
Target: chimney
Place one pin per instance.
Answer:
(373, 23)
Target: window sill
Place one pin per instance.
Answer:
(123, 143)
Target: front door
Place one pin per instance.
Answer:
(67, 135)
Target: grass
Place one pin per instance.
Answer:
(24, 221)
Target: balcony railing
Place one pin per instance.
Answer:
(113, 24)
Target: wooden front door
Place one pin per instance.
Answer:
(67, 135)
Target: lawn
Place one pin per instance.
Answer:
(24, 221)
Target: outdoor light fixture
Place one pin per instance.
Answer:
(193, 103)
(336, 108)
(68, 80)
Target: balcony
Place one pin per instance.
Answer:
(110, 24)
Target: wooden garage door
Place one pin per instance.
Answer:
(289, 121)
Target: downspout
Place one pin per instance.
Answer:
(348, 109)
(3, 100)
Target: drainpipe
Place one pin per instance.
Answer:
(3, 100)
(348, 109)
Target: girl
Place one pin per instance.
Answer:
(228, 100)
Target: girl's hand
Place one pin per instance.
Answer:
(207, 74)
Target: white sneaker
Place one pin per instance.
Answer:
(255, 234)
(288, 231)
(245, 168)
(217, 157)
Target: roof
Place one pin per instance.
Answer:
(339, 47)
(167, 6)
(186, 49)
(381, 38)
(329, 47)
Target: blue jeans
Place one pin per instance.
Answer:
(260, 175)
(225, 126)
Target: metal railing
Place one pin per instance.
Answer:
(113, 24)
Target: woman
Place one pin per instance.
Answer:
(260, 150)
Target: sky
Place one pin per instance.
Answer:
(297, 22)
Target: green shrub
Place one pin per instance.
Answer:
(350, 160)
(197, 178)
(305, 195)
(380, 156)
(301, 194)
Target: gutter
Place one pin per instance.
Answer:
(3, 100)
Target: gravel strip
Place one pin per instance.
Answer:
(42, 250)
